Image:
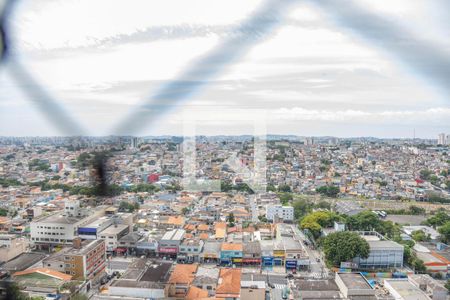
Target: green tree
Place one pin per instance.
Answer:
(323, 205)
(434, 179)
(447, 285)
(344, 246)
(365, 220)
(271, 188)
(301, 208)
(13, 292)
(128, 207)
(284, 188)
(415, 210)
(79, 296)
(419, 236)
(444, 230)
(439, 219)
(225, 186)
(419, 266)
(285, 198)
(185, 210)
(425, 174)
(262, 219)
(328, 190)
(314, 222)
(231, 220)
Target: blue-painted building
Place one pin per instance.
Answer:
(231, 253)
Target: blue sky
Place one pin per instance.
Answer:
(379, 68)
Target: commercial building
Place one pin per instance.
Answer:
(112, 235)
(169, 245)
(62, 227)
(92, 230)
(251, 253)
(384, 254)
(279, 212)
(211, 252)
(231, 253)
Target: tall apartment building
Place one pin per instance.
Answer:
(85, 259)
(442, 139)
(284, 213)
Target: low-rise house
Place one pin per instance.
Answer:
(229, 284)
(40, 282)
(181, 279)
(206, 279)
(143, 279)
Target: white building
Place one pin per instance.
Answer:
(62, 227)
(441, 139)
(112, 235)
(285, 213)
(11, 246)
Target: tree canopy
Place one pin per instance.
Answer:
(343, 246)
(328, 190)
(314, 222)
(439, 219)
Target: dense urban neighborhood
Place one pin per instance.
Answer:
(110, 218)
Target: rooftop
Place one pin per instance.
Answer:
(229, 283)
(183, 273)
(231, 247)
(45, 271)
(384, 245)
(114, 229)
(22, 262)
(405, 289)
(58, 218)
(86, 247)
(355, 281)
(174, 235)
